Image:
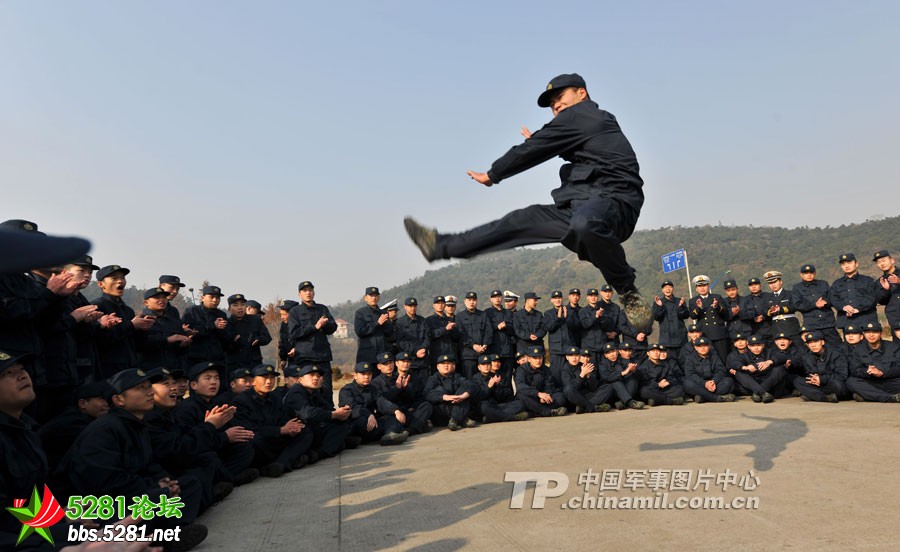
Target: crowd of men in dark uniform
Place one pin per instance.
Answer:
(96, 399)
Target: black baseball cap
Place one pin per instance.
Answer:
(484, 359)
(880, 254)
(305, 284)
(372, 290)
(752, 281)
(574, 291)
(240, 373)
(446, 358)
(496, 293)
(170, 279)
(132, 377)
(471, 295)
(287, 304)
(385, 357)
(194, 371)
(666, 283)
(212, 290)
(555, 294)
(606, 287)
(847, 257)
(251, 304)
(153, 292)
(7, 359)
(263, 370)
(532, 295)
(807, 268)
(812, 336)
(94, 389)
(558, 83)
(87, 262)
(411, 302)
(536, 351)
(20, 225)
(291, 371)
(21, 251)
(109, 269)
(236, 297)
(403, 355)
(309, 369)
(728, 284)
(163, 372)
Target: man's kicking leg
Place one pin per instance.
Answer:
(593, 228)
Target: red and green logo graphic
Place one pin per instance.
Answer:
(38, 516)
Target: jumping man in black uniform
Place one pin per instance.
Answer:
(595, 209)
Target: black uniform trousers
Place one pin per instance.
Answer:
(588, 399)
(444, 411)
(723, 387)
(762, 382)
(493, 411)
(625, 388)
(417, 416)
(594, 228)
(873, 389)
(283, 449)
(328, 437)
(386, 424)
(661, 396)
(813, 393)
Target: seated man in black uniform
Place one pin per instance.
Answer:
(401, 392)
(622, 376)
(184, 451)
(595, 209)
(875, 367)
(822, 375)
(59, 433)
(231, 442)
(23, 466)
(660, 382)
(366, 420)
(535, 386)
(280, 440)
(240, 380)
(705, 376)
(307, 401)
(581, 383)
(493, 395)
(450, 394)
(762, 371)
(114, 456)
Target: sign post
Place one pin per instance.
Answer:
(676, 260)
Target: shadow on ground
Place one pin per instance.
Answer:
(767, 442)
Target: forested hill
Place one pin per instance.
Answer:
(747, 251)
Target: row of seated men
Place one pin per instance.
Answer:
(154, 441)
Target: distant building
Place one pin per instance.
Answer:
(343, 329)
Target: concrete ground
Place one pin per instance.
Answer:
(828, 479)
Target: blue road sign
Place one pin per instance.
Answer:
(676, 260)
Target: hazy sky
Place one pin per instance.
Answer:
(258, 144)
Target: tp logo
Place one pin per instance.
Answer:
(542, 490)
(38, 515)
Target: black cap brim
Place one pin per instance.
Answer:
(23, 251)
